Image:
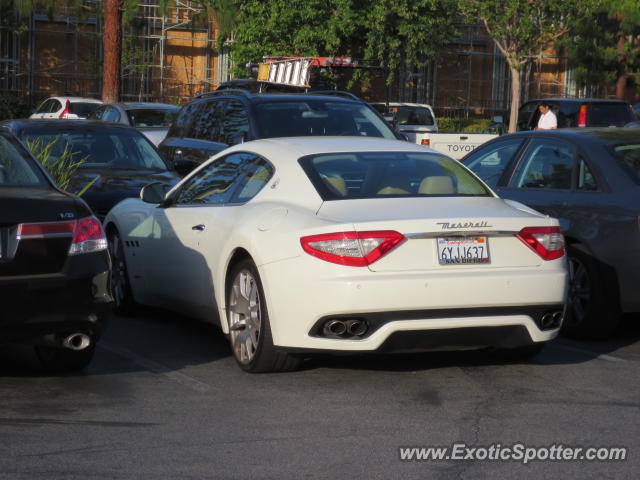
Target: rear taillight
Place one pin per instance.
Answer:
(87, 233)
(425, 141)
(65, 112)
(582, 116)
(88, 237)
(355, 249)
(548, 242)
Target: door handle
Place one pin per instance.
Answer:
(200, 227)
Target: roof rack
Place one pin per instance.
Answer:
(224, 91)
(336, 93)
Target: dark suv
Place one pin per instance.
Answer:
(578, 112)
(214, 121)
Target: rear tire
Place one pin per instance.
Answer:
(589, 313)
(63, 360)
(120, 286)
(249, 326)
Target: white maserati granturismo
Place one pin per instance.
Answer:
(302, 245)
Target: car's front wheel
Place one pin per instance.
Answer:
(248, 321)
(120, 288)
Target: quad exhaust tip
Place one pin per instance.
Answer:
(551, 320)
(76, 341)
(345, 328)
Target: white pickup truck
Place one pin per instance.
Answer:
(418, 123)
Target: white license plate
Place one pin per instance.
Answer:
(463, 250)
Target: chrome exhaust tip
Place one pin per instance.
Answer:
(334, 328)
(76, 341)
(357, 328)
(551, 320)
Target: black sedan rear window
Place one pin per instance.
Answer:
(343, 176)
(152, 117)
(16, 168)
(82, 109)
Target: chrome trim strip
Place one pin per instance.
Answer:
(461, 233)
(46, 235)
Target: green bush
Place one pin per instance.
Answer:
(12, 106)
(60, 167)
(463, 125)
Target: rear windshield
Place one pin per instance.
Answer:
(152, 117)
(297, 118)
(607, 114)
(408, 115)
(389, 174)
(82, 109)
(16, 168)
(104, 148)
(628, 156)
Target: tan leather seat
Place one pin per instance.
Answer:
(436, 185)
(395, 185)
(337, 185)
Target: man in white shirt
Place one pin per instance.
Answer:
(547, 120)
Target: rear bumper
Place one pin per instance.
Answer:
(303, 292)
(77, 300)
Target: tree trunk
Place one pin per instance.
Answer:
(111, 48)
(621, 87)
(515, 99)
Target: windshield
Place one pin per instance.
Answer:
(104, 148)
(389, 174)
(297, 118)
(16, 168)
(628, 156)
(152, 117)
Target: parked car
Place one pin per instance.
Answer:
(214, 121)
(66, 107)
(152, 119)
(578, 112)
(590, 180)
(304, 245)
(411, 119)
(121, 158)
(54, 265)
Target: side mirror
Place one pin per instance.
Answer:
(238, 138)
(154, 192)
(184, 167)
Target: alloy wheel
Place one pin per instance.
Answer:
(245, 316)
(579, 290)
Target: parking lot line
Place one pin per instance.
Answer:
(156, 367)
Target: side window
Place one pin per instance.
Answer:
(524, 116)
(545, 164)
(45, 106)
(235, 123)
(489, 163)
(206, 125)
(110, 115)
(55, 106)
(214, 184)
(254, 180)
(97, 113)
(185, 117)
(586, 179)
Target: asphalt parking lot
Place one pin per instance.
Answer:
(164, 399)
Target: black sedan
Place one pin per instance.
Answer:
(54, 265)
(590, 180)
(119, 159)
